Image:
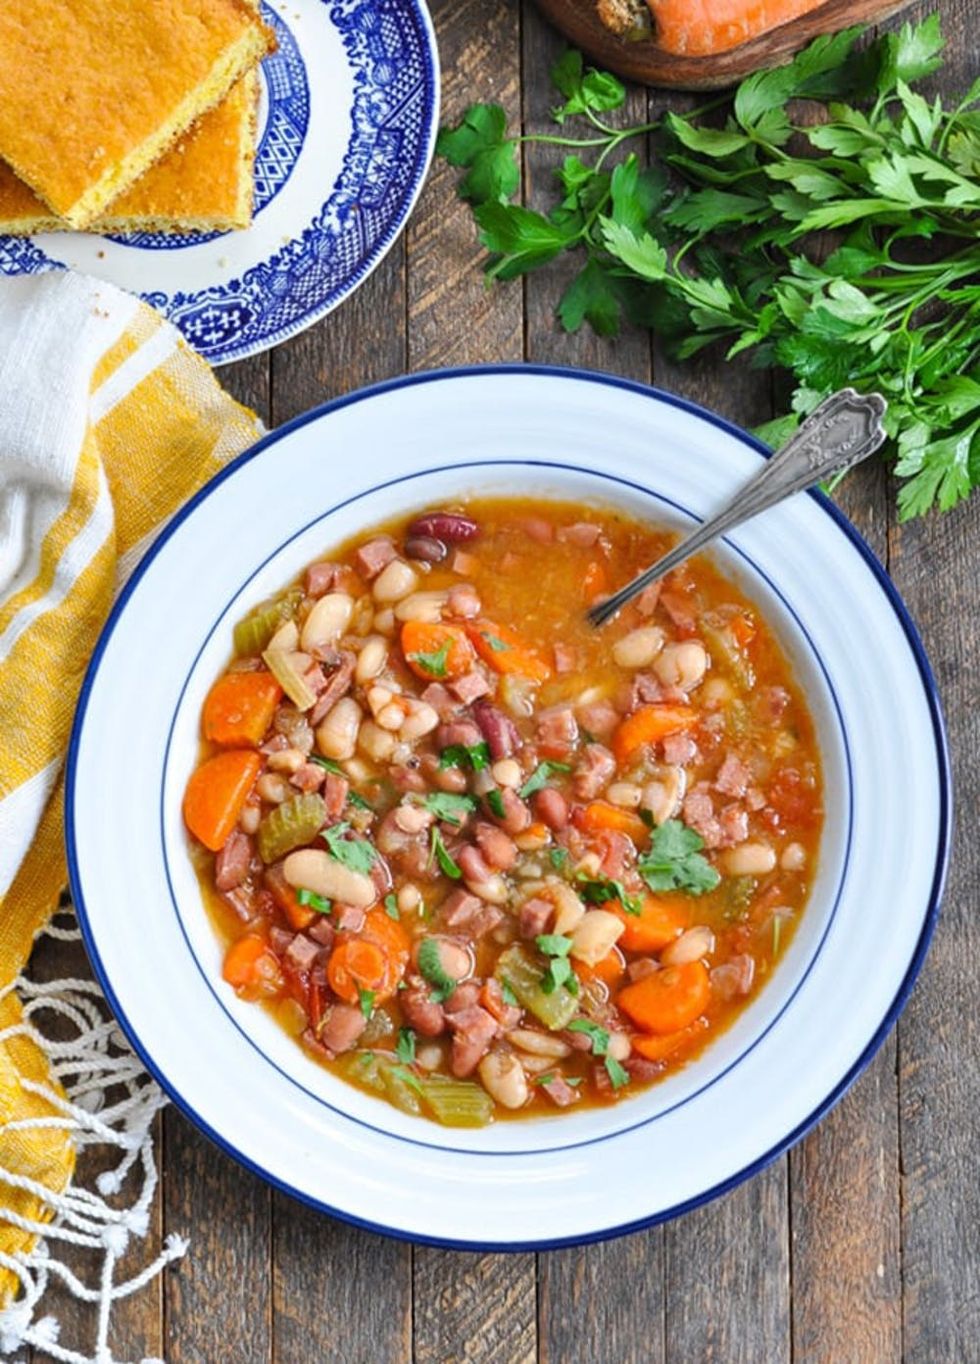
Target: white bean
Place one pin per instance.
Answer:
(507, 772)
(248, 820)
(619, 1046)
(362, 617)
(793, 858)
(425, 606)
(372, 658)
(336, 735)
(493, 891)
(429, 1057)
(682, 665)
(569, 909)
(639, 648)
(716, 692)
(502, 1076)
(271, 788)
(690, 946)
(394, 581)
(663, 795)
(390, 716)
(597, 933)
(749, 859)
(625, 794)
(409, 898)
(327, 620)
(357, 770)
(311, 869)
(385, 621)
(539, 1043)
(412, 819)
(286, 760)
(422, 719)
(377, 698)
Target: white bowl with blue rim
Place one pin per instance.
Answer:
(347, 121)
(576, 1176)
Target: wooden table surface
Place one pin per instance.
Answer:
(863, 1244)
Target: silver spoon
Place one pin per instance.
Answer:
(845, 429)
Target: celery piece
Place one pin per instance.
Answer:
(283, 668)
(290, 825)
(518, 969)
(457, 1103)
(364, 1068)
(724, 648)
(402, 1088)
(254, 632)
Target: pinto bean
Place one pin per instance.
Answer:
(551, 807)
(498, 729)
(472, 864)
(342, 1026)
(448, 526)
(516, 816)
(498, 850)
(426, 548)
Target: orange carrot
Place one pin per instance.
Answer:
(356, 965)
(608, 969)
(659, 1048)
(649, 724)
(216, 793)
(386, 933)
(669, 999)
(251, 967)
(434, 651)
(600, 814)
(297, 916)
(506, 652)
(657, 924)
(595, 580)
(239, 709)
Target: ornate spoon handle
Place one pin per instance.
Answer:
(845, 429)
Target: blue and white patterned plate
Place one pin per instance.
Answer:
(347, 123)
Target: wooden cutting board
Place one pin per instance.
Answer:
(642, 60)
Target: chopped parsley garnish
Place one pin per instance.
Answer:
(357, 854)
(559, 971)
(440, 852)
(674, 862)
(430, 965)
(496, 643)
(558, 857)
(451, 808)
(314, 901)
(407, 1077)
(600, 892)
(366, 998)
(405, 1047)
(549, 1075)
(358, 800)
(391, 906)
(435, 663)
(599, 1037)
(496, 802)
(618, 1074)
(541, 776)
(328, 764)
(507, 994)
(476, 756)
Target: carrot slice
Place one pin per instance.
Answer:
(600, 814)
(669, 999)
(297, 916)
(356, 965)
(434, 651)
(659, 1048)
(251, 966)
(216, 793)
(609, 969)
(657, 924)
(386, 933)
(506, 651)
(239, 709)
(649, 724)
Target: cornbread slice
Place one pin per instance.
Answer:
(92, 92)
(202, 184)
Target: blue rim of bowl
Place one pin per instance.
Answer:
(943, 772)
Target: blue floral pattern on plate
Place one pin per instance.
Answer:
(391, 51)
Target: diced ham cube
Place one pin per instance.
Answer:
(463, 602)
(470, 687)
(338, 684)
(566, 658)
(538, 529)
(646, 602)
(335, 791)
(734, 824)
(465, 996)
(437, 696)
(600, 718)
(463, 563)
(232, 863)
(679, 749)
(492, 999)
(321, 930)
(582, 533)
(473, 1031)
(457, 732)
(617, 852)
(301, 953)
(733, 977)
(593, 771)
(320, 578)
(535, 916)
(309, 777)
(557, 731)
(681, 611)
(559, 1091)
(733, 777)
(348, 918)
(770, 704)
(374, 556)
(699, 813)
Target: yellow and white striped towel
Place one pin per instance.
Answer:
(108, 422)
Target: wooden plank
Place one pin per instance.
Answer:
(453, 318)
(474, 1309)
(603, 1302)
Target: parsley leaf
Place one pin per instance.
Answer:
(559, 970)
(599, 1037)
(366, 999)
(391, 906)
(314, 901)
(507, 994)
(408, 1077)
(600, 892)
(541, 775)
(495, 801)
(558, 857)
(674, 861)
(618, 1074)
(433, 663)
(439, 851)
(328, 764)
(476, 756)
(430, 966)
(449, 807)
(478, 144)
(358, 800)
(405, 1046)
(357, 854)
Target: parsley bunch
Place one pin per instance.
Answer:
(726, 239)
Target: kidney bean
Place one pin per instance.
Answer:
(427, 548)
(472, 864)
(551, 808)
(498, 729)
(447, 526)
(498, 850)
